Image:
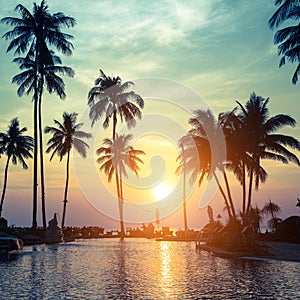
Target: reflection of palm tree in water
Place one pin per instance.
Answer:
(37, 271)
(119, 272)
(122, 276)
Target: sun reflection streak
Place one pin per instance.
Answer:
(166, 278)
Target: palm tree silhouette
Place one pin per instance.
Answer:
(35, 32)
(288, 38)
(236, 155)
(254, 218)
(114, 158)
(272, 209)
(66, 136)
(17, 148)
(238, 159)
(49, 78)
(263, 142)
(203, 153)
(110, 98)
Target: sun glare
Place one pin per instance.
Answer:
(161, 191)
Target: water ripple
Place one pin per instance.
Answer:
(141, 269)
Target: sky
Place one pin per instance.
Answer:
(181, 55)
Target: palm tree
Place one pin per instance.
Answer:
(114, 158)
(17, 148)
(206, 125)
(272, 209)
(263, 142)
(65, 136)
(36, 31)
(110, 98)
(238, 159)
(254, 218)
(54, 83)
(203, 153)
(236, 156)
(288, 38)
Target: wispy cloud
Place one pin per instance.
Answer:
(222, 49)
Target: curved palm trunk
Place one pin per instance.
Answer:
(66, 192)
(229, 194)
(224, 196)
(35, 155)
(4, 185)
(244, 187)
(42, 157)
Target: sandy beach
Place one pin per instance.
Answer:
(282, 251)
(274, 250)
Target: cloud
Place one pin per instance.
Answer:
(223, 49)
(105, 24)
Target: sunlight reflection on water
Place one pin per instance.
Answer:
(141, 269)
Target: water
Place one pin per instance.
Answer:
(141, 269)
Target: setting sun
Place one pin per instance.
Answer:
(171, 168)
(161, 191)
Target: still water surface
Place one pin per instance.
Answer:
(141, 269)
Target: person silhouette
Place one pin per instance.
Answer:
(210, 214)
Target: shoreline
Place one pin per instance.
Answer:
(281, 251)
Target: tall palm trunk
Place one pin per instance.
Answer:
(114, 125)
(184, 194)
(224, 196)
(66, 192)
(250, 189)
(35, 129)
(120, 201)
(35, 162)
(4, 185)
(119, 183)
(229, 194)
(42, 155)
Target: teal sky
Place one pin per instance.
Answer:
(221, 49)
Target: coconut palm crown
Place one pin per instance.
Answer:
(34, 33)
(263, 141)
(287, 38)
(66, 135)
(17, 147)
(110, 98)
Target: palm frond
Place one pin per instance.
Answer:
(282, 12)
(295, 75)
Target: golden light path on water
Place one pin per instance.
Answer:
(141, 269)
(166, 280)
